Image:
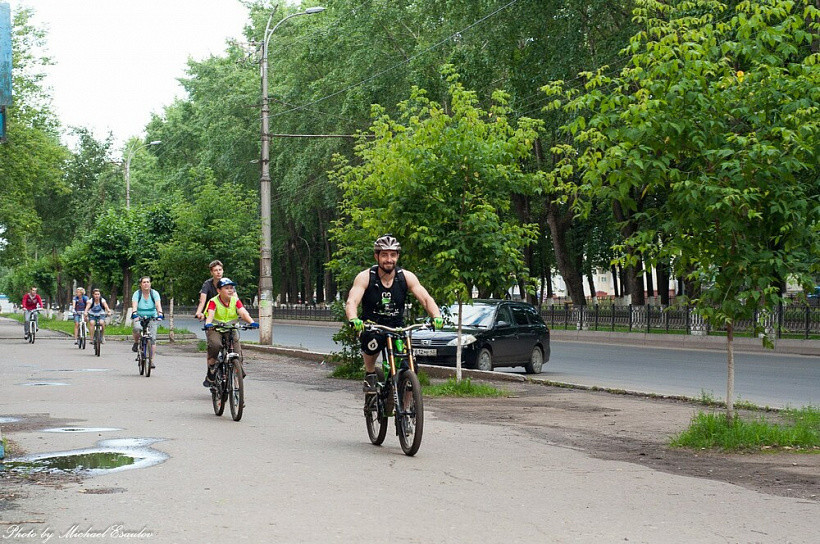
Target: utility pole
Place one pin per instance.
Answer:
(265, 274)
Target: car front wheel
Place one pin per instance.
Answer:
(536, 361)
(484, 360)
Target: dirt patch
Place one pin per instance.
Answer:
(618, 427)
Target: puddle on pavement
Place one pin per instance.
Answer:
(38, 384)
(9, 419)
(110, 456)
(80, 430)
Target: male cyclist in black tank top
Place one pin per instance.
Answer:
(382, 290)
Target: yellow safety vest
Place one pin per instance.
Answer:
(224, 313)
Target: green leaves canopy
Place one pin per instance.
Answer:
(440, 181)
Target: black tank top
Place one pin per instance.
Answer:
(382, 305)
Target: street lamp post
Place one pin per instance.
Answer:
(265, 275)
(130, 155)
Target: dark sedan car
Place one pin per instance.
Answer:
(494, 333)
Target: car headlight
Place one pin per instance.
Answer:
(466, 340)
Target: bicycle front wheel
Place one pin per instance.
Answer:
(97, 340)
(83, 336)
(148, 357)
(32, 331)
(236, 390)
(409, 413)
(218, 394)
(374, 416)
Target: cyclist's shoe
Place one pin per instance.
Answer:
(369, 386)
(209, 378)
(103, 339)
(153, 365)
(25, 336)
(134, 347)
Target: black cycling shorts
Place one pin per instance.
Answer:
(373, 342)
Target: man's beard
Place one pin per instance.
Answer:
(385, 270)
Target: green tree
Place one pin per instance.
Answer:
(221, 223)
(441, 180)
(715, 112)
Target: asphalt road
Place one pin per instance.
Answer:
(765, 379)
(298, 467)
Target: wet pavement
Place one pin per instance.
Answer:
(299, 467)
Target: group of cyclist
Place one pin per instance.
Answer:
(381, 290)
(87, 309)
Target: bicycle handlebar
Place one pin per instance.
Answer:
(397, 330)
(230, 327)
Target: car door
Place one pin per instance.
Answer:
(505, 341)
(524, 333)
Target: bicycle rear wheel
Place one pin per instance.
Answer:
(409, 413)
(374, 416)
(148, 357)
(218, 394)
(236, 389)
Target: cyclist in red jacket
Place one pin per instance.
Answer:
(31, 301)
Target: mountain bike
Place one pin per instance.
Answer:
(229, 376)
(97, 338)
(398, 391)
(32, 324)
(145, 355)
(82, 332)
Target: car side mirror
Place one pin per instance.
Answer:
(502, 325)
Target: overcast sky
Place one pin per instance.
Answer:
(117, 61)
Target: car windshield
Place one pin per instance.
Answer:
(478, 315)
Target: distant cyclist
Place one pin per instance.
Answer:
(78, 304)
(382, 290)
(31, 301)
(146, 302)
(209, 289)
(96, 309)
(223, 308)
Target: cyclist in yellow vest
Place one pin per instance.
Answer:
(223, 308)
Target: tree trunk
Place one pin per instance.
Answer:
(614, 270)
(591, 282)
(634, 280)
(730, 380)
(458, 343)
(663, 281)
(650, 284)
(126, 288)
(559, 224)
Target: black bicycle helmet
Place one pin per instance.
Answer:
(386, 242)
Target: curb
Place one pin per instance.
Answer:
(682, 341)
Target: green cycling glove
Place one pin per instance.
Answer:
(438, 323)
(356, 323)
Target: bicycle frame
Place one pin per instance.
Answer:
(401, 386)
(145, 356)
(32, 324)
(229, 374)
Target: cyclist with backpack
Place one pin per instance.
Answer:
(146, 302)
(78, 304)
(96, 309)
(382, 290)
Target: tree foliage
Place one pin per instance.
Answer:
(441, 181)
